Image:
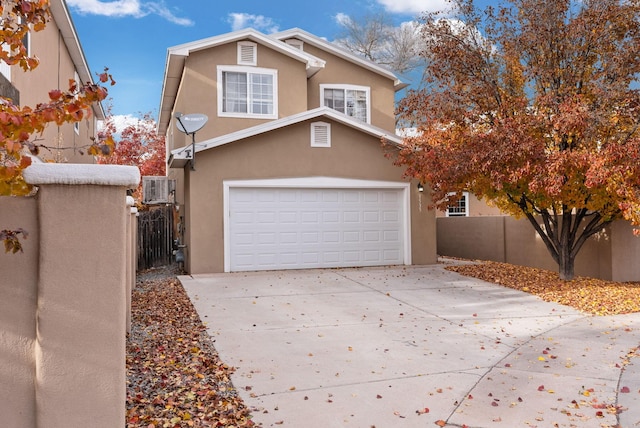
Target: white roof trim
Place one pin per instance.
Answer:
(185, 49)
(338, 51)
(179, 157)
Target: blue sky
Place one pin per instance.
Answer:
(131, 37)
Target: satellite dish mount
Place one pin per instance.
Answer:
(190, 124)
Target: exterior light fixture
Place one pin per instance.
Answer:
(420, 188)
(190, 124)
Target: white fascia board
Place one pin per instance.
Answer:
(286, 121)
(340, 52)
(313, 63)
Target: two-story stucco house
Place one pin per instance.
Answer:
(61, 59)
(289, 171)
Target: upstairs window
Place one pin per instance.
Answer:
(348, 99)
(460, 208)
(247, 92)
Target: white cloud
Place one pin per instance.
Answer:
(239, 21)
(122, 8)
(121, 121)
(414, 6)
(342, 19)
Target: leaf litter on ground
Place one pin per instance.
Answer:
(175, 378)
(174, 375)
(589, 295)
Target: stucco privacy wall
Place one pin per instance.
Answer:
(63, 303)
(286, 153)
(18, 302)
(612, 254)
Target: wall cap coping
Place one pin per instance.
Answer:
(78, 174)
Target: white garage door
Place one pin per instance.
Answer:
(299, 228)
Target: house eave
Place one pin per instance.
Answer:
(340, 52)
(178, 157)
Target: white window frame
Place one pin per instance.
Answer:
(76, 125)
(247, 70)
(345, 88)
(465, 196)
(254, 56)
(314, 140)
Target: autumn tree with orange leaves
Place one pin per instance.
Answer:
(535, 107)
(138, 144)
(20, 125)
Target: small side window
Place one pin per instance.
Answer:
(460, 208)
(320, 134)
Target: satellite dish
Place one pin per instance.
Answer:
(191, 123)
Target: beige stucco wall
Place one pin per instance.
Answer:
(63, 301)
(340, 71)
(198, 91)
(54, 72)
(612, 254)
(625, 254)
(282, 154)
(18, 303)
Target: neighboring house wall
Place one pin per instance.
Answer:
(611, 255)
(477, 208)
(61, 59)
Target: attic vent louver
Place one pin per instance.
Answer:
(295, 43)
(247, 53)
(320, 134)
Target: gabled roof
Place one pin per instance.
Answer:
(63, 20)
(177, 55)
(178, 157)
(320, 43)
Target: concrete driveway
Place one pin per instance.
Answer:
(415, 346)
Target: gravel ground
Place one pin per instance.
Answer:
(174, 375)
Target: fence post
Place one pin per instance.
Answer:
(81, 319)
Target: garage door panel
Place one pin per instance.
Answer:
(286, 228)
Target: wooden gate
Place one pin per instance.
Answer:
(155, 236)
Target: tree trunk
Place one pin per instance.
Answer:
(566, 264)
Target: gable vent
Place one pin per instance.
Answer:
(247, 53)
(295, 43)
(320, 134)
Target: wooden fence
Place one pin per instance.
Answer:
(155, 236)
